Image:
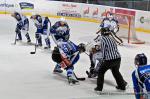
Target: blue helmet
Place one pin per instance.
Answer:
(140, 59)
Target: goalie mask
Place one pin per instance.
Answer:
(105, 31)
(140, 59)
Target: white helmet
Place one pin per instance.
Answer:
(63, 19)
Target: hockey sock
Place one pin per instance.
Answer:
(28, 37)
(19, 36)
(48, 43)
(39, 38)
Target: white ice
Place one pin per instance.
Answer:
(26, 76)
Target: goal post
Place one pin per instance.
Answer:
(127, 28)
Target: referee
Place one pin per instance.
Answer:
(111, 60)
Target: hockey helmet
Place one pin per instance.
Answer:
(105, 31)
(140, 59)
(63, 19)
(81, 47)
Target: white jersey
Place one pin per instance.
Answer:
(112, 24)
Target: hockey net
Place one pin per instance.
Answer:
(127, 28)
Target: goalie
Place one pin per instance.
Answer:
(110, 22)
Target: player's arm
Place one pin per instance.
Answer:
(136, 86)
(54, 28)
(103, 48)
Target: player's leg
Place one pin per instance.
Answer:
(92, 66)
(38, 36)
(100, 80)
(47, 41)
(25, 30)
(121, 83)
(70, 75)
(18, 32)
(57, 68)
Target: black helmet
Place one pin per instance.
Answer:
(81, 47)
(105, 31)
(140, 59)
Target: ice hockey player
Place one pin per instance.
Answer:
(95, 56)
(66, 55)
(141, 77)
(22, 26)
(60, 31)
(43, 25)
(112, 23)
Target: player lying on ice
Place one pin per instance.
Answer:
(66, 55)
(141, 77)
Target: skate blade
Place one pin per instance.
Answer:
(72, 84)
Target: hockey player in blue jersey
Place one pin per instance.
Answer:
(22, 26)
(66, 55)
(43, 25)
(141, 77)
(60, 31)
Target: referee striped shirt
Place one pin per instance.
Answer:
(109, 48)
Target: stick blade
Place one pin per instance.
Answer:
(32, 52)
(81, 79)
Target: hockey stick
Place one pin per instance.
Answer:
(81, 78)
(15, 39)
(35, 48)
(115, 39)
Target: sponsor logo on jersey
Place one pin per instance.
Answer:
(25, 5)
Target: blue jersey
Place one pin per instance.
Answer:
(22, 21)
(42, 24)
(38, 21)
(70, 50)
(60, 32)
(141, 80)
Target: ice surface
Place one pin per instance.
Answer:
(26, 76)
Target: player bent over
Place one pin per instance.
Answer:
(96, 60)
(22, 26)
(66, 55)
(141, 77)
(43, 25)
(60, 31)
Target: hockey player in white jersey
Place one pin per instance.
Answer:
(43, 25)
(95, 56)
(22, 26)
(141, 77)
(60, 31)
